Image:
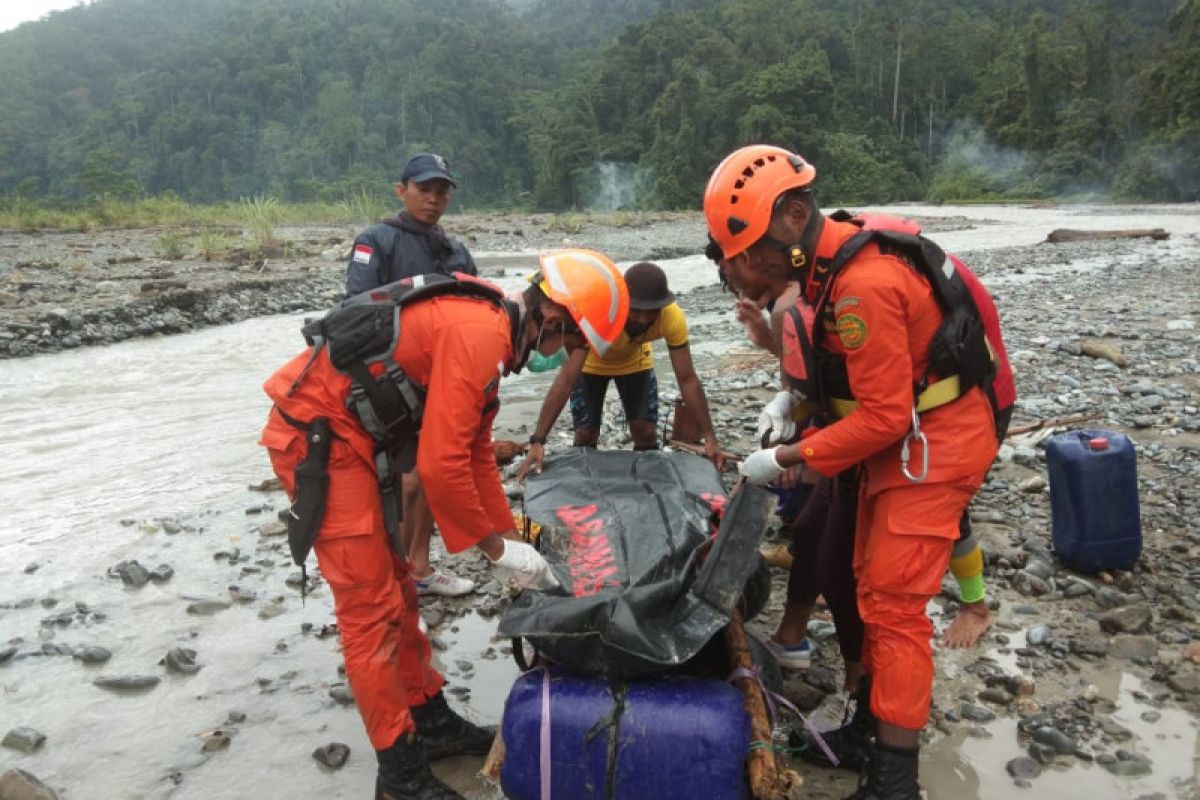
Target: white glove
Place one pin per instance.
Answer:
(761, 467)
(525, 566)
(776, 417)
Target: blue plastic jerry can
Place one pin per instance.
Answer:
(1096, 521)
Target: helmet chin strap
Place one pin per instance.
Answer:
(800, 253)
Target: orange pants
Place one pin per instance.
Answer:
(374, 597)
(905, 535)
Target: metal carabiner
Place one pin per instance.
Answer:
(915, 435)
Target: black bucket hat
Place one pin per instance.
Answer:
(648, 290)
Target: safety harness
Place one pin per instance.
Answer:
(364, 330)
(959, 356)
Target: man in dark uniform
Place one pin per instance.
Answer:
(413, 243)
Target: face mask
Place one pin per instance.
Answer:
(540, 363)
(636, 329)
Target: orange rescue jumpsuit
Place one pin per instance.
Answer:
(880, 317)
(457, 347)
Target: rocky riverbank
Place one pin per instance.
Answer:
(1086, 684)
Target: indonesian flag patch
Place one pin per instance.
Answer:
(362, 253)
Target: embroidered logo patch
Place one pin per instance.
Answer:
(362, 253)
(852, 330)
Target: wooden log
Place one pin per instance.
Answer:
(1106, 351)
(1070, 235)
(495, 759)
(765, 783)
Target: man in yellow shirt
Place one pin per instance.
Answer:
(584, 377)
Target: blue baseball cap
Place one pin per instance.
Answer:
(426, 167)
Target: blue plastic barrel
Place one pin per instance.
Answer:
(1096, 521)
(639, 740)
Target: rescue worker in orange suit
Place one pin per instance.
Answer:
(457, 347)
(879, 316)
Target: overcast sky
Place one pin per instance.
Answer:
(14, 12)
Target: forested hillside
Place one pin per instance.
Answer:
(552, 103)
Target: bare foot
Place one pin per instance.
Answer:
(971, 622)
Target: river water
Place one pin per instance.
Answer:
(145, 450)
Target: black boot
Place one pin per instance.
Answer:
(447, 734)
(851, 743)
(404, 774)
(891, 774)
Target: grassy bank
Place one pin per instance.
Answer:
(22, 214)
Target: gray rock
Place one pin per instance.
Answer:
(127, 683)
(1108, 597)
(1038, 635)
(1129, 764)
(181, 660)
(996, 695)
(342, 694)
(1029, 584)
(162, 573)
(1127, 619)
(1053, 737)
(205, 608)
(332, 755)
(1134, 648)
(17, 784)
(131, 573)
(1039, 568)
(1184, 684)
(974, 713)
(6, 653)
(24, 738)
(1042, 753)
(1114, 729)
(1090, 646)
(92, 654)
(1023, 768)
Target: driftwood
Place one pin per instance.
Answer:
(1069, 235)
(1106, 351)
(765, 781)
(1054, 423)
(696, 449)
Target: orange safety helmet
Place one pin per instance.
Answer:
(743, 189)
(589, 285)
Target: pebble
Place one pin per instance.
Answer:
(1053, 737)
(1127, 619)
(1038, 635)
(92, 654)
(24, 739)
(181, 660)
(127, 683)
(131, 573)
(1023, 768)
(342, 694)
(974, 713)
(332, 755)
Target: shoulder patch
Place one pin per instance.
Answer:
(362, 253)
(846, 302)
(852, 330)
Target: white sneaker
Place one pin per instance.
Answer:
(445, 584)
(834, 711)
(797, 656)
